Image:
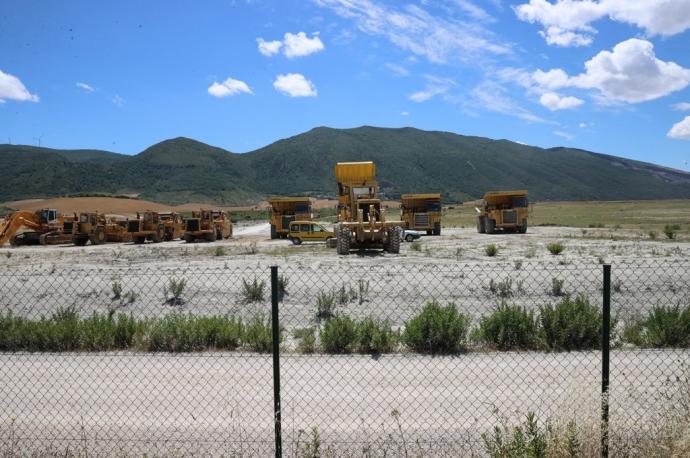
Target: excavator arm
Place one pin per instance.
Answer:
(17, 221)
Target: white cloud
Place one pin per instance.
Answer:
(435, 86)
(554, 101)
(269, 48)
(585, 125)
(85, 87)
(11, 88)
(229, 87)
(117, 100)
(566, 135)
(404, 113)
(300, 45)
(440, 39)
(630, 73)
(568, 22)
(398, 70)
(292, 45)
(680, 130)
(294, 85)
(682, 106)
(490, 95)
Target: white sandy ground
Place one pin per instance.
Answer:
(218, 403)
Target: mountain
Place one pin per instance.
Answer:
(408, 160)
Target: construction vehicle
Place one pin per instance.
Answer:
(174, 225)
(146, 227)
(42, 227)
(207, 225)
(284, 210)
(422, 212)
(362, 220)
(116, 230)
(308, 231)
(89, 227)
(503, 210)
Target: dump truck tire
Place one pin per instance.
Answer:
(80, 242)
(188, 238)
(344, 241)
(332, 242)
(157, 237)
(168, 236)
(274, 232)
(523, 228)
(480, 225)
(98, 238)
(394, 240)
(138, 240)
(490, 226)
(437, 228)
(210, 237)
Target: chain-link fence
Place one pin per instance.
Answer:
(374, 359)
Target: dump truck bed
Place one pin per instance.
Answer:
(430, 196)
(355, 172)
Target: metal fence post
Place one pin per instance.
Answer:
(275, 324)
(605, 347)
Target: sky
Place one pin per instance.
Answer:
(611, 76)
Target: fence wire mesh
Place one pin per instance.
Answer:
(383, 360)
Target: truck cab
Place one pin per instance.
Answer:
(308, 231)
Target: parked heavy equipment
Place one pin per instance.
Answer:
(362, 220)
(116, 230)
(174, 225)
(503, 210)
(285, 210)
(146, 226)
(207, 225)
(422, 212)
(308, 231)
(89, 227)
(42, 227)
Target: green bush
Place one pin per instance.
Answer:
(416, 246)
(258, 335)
(375, 337)
(174, 289)
(571, 324)
(670, 231)
(437, 329)
(555, 248)
(253, 291)
(325, 305)
(306, 340)
(510, 327)
(523, 441)
(664, 326)
(339, 335)
(491, 250)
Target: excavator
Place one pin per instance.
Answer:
(42, 227)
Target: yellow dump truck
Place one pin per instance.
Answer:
(422, 212)
(503, 210)
(362, 222)
(207, 225)
(174, 225)
(284, 210)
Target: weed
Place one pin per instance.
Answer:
(555, 248)
(338, 335)
(8, 254)
(258, 334)
(528, 440)
(251, 248)
(458, 253)
(531, 252)
(306, 338)
(664, 326)
(617, 285)
(416, 246)
(117, 291)
(504, 288)
(282, 287)
(557, 287)
(311, 448)
(345, 295)
(175, 288)
(219, 251)
(437, 329)
(517, 264)
(670, 231)
(571, 324)
(374, 336)
(363, 290)
(510, 327)
(491, 250)
(253, 291)
(652, 235)
(325, 305)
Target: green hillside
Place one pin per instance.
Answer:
(408, 160)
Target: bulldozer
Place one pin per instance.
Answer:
(174, 225)
(285, 210)
(42, 227)
(362, 220)
(503, 210)
(89, 227)
(207, 225)
(148, 226)
(422, 212)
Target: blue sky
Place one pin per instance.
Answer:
(610, 76)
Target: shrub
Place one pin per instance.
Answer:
(504, 288)
(363, 290)
(416, 246)
(117, 291)
(338, 335)
(306, 340)
(437, 329)
(571, 324)
(555, 248)
(253, 291)
(375, 337)
(345, 295)
(491, 250)
(510, 327)
(557, 287)
(325, 305)
(175, 289)
(652, 235)
(282, 287)
(524, 441)
(258, 335)
(219, 251)
(670, 231)
(664, 326)
(518, 264)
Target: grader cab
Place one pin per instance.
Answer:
(285, 210)
(362, 218)
(422, 212)
(503, 210)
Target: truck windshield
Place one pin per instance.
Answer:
(433, 206)
(519, 202)
(302, 208)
